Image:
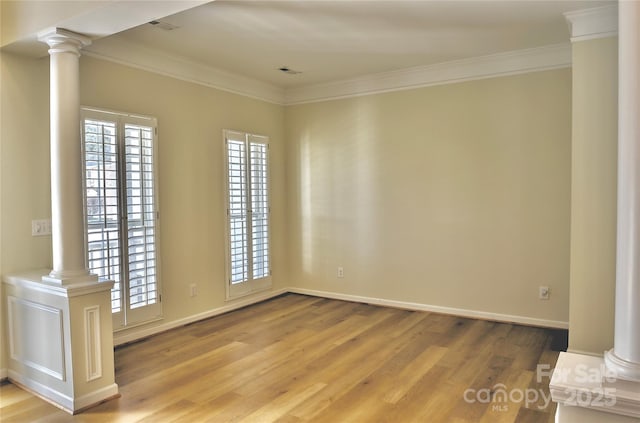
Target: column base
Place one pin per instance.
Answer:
(78, 278)
(586, 382)
(569, 414)
(623, 369)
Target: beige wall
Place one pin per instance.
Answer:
(192, 211)
(594, 179)
(190, 123)
(455, 195)
(25, 162)
(24, 166)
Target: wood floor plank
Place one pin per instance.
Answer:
(415, 401)
(507, 411)
(413, 372)
(344, 368)
(11, 394)
(526, 415)
(297, 359)
(486, 380)
(26, 411)
(170, 412)
(280, 406)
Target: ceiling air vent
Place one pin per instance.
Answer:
(164, 25)
(289, 71)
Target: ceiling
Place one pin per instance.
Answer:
(338, 40)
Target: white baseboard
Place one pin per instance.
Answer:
(57, 398)
(95, 397)
(582, 352)
(60, 399)
(123, 337)
(135, 334)
(3, 374)
(474, 314)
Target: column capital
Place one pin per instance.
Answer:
(63, 41)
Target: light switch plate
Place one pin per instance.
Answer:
(41, 227)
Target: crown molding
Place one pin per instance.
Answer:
(144, 58)
(588, 24)
(501, 64)
(481, 67)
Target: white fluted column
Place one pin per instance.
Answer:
(624, 358)
(67, 227)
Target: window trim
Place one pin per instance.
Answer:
(120, 321)
(253, 285)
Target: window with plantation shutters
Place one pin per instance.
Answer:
(121, 211)
(248, 234)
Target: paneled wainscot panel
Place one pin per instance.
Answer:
(36, 337)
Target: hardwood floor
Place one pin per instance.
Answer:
(297, 359)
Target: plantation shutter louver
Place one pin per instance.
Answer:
(259, 207)
(140, 215)
(102, 204)
(249, 266)
(121, 211)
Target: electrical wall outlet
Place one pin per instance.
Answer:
(544, 292)
(340, 272)
(193, 290)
